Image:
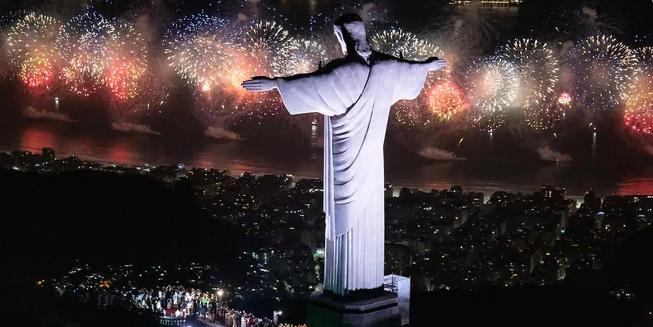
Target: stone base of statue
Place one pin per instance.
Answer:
(381, 310)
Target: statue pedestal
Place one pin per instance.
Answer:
(381, 311)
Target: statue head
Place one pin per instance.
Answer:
(350, 31)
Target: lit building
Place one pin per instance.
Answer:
(400, 285)
(553, 193)
(388, 191)
(48, 154)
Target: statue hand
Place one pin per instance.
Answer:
(435, 63)
(260, 84)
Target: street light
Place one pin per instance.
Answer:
(220, 294)
(275, 316)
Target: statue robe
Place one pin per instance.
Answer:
(355, 98)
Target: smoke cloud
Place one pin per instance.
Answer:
(591, 13)
(34, 113)
(134, 128)
(221, 134)
(649, 149)
(436, 154)
(365, 11)
(547, 154)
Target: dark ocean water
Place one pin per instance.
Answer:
(275, 158)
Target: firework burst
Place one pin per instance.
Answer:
(445, 101)
(565, 99)
(411, 113)
(640, 121)
(197, 49)
(307, 56)
(31, 44)
(83, 43)
(639, 96)
(493, 84)
(273, 47)
(202, 51)
(604, 67)
(127, 63)
(440, 102)
(406, 45)
(538, 75)
(266, 49)
(402, 44)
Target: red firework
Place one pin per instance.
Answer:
(640, 121)
(445, 100)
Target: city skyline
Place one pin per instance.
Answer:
(550, 238)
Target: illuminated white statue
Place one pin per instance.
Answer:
(355, 94)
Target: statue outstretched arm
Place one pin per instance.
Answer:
(303, 93)
(431, 64)
(260, 84)
(265, 84)
(409, 77)
(435, 64)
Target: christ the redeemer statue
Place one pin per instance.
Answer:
(355, 94)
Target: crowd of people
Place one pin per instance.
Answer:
(179, 302)
(175, 302)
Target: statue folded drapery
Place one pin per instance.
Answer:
(355, 99)
(354, 94)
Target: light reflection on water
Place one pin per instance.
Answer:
(237, 158)
(145, 149)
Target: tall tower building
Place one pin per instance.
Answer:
(47, 155)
